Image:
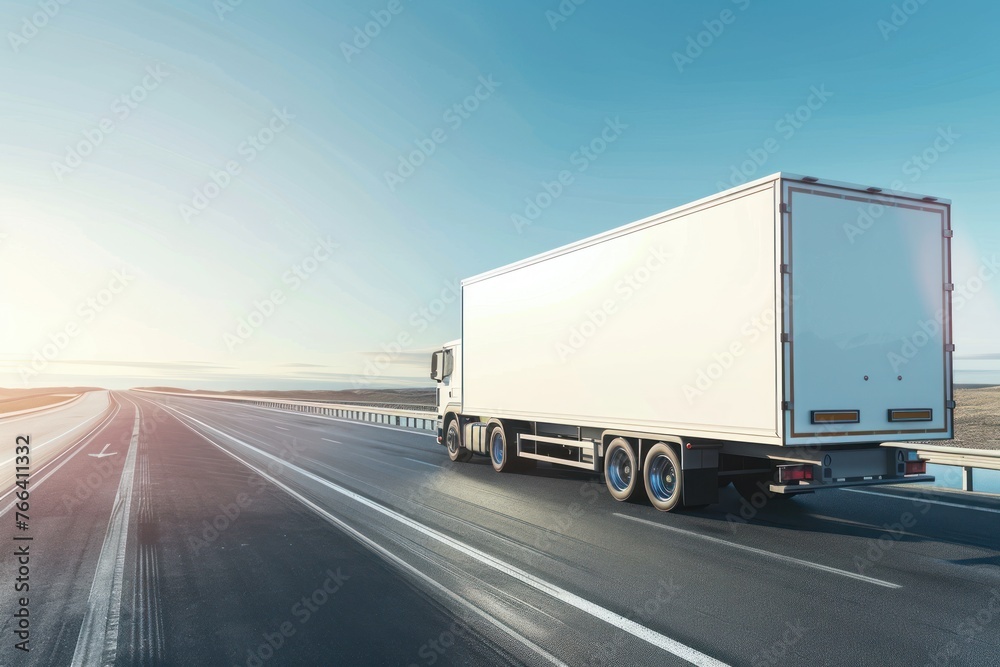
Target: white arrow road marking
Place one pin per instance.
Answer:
(102, 454)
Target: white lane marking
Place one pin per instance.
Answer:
(385, 553)
(85, 440)
(637, 630)
(336, 442)
(925, 500)
(769, 554)
(97, 643)
(281, 427)
(423, 463)
(103, 454)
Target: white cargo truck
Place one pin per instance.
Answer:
(786, 335)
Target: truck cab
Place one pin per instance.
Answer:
(446, 371)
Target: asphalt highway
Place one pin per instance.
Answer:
(222, 534)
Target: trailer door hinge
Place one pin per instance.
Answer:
(786, 405)
(948, 233)
(949, 287)
(949, 405)
(786, 269)
(950, 347)
(783, 207)
(786, 338)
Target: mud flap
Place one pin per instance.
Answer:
(700, 486)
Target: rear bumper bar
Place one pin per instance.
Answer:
(789, 489)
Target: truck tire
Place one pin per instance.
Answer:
(620, 469)
(503, 450)
(453, 440)
(662, 477)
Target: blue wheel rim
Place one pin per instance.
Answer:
(496, 448)
(662, 478)
(620, 470)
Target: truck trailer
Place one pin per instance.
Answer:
(787, 335)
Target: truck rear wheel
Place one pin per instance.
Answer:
(620, 472)
(453, 440)
(662, 476)
(503, 450)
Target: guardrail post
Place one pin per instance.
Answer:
(967, 478)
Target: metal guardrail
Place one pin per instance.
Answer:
(961, 457)
(415, 407)
(423, 420)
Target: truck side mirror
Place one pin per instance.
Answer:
(437, 366)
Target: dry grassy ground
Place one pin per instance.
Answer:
(977, 418)
(13, 400)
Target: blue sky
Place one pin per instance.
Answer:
(249, 176)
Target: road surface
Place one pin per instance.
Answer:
(170, 530)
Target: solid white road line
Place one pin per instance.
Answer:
(423, 463)
(97, 643)
(762, 552)
(627, 625)
(336, 442)
(385, 553)
(921, 499)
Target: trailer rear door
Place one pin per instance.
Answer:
(868, 316)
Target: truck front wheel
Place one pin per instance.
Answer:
(453, 440)
(662, 475)
(620, 472)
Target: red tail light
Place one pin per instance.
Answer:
(799, 473)
(916, 467)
